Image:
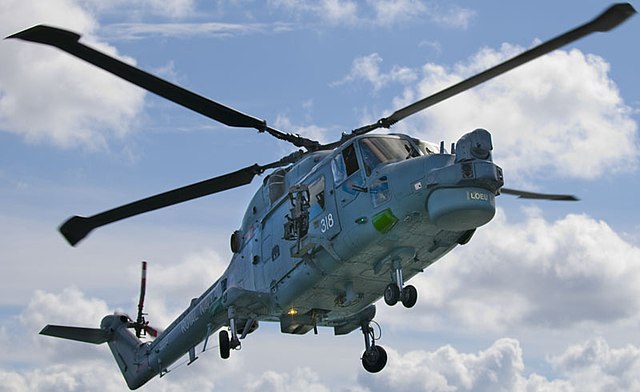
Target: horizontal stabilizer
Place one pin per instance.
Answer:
(87, 335)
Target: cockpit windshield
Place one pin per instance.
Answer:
(379, 150)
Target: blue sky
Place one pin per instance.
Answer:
(545, 296)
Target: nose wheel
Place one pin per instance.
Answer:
(392, 293)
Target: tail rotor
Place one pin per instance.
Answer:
(141, 325)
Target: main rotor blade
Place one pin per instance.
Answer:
(612, 17)
(78, 227)
(537, 196)
(69, 42)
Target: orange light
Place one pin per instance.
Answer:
(292, 312)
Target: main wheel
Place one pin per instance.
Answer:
(391, 294)
(225, 346)
(375, 359)
(409, 296)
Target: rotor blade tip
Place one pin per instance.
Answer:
(46, 35)
(75, 229)
(613, 16)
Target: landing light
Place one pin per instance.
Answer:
(292, 312)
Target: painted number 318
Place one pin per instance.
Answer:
(326, 223)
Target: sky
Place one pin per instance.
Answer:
(544, 297)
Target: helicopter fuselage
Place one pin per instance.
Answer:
(321, 239)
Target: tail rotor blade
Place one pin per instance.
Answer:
(143, 287)
(152, 331)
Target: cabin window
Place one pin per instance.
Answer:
(350, 159)
(378, 150)
(316, 195)
(345, 164)
(337, 167)
(276, 185)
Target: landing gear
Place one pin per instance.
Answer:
(374, 357)
(392, 293)
(227, 344)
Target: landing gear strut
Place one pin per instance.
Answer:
(395, 291)
(374, 357)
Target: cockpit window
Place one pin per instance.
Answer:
(379, 150)
(426, 147)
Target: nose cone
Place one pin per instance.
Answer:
(460, 209)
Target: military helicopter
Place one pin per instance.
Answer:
(332, 229)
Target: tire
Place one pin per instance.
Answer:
(391, 294)
(225, 346)
(409, 296)
(374, 360)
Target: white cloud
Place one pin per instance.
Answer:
(498, 368)
(89, 376)
(536, 274)
(70, 307)
(174, 9)
(560, 114)
(302, 379)
(377, 13)
(595, 366)
(453, 16)
(590, 366)
(333, 11)
(77, 104)
(367, 68)
(171, 287)
(128, 31)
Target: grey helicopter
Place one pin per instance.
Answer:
(332, 229)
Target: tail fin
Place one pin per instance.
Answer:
(126, 348)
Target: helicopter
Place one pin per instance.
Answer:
(332, 229)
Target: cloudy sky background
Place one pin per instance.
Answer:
(545, 297)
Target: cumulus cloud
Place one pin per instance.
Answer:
(591, 366)
(302, 379)
(171, 287)
(77, 104)
(561, 113)
(534, 274)
(367, 68)
(595, 366)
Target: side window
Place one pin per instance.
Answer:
(350, 159)
(276, 185)
(338, 169)
(316, 195)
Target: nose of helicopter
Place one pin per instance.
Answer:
(459, 209)
(463, 193)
